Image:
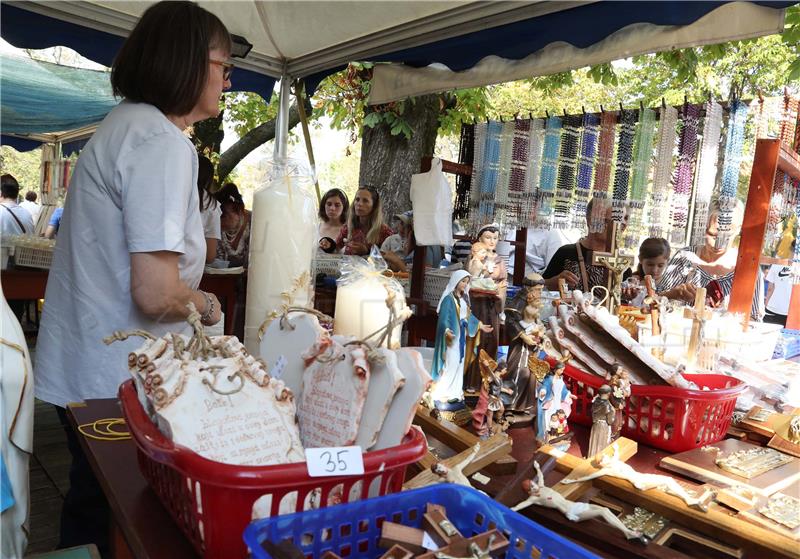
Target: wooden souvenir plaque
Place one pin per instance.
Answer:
(335, 385)
(385, 380)
(404, 405)
(284, 342)
(700, 464)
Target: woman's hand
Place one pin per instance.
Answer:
(566, 275)
(360, 249)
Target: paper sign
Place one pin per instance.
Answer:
(277, 368)
(428, 543)
(335, 461)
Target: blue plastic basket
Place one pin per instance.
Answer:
(788, 345)
(354, 529)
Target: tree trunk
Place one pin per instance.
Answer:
(250, 141)
(387, 162)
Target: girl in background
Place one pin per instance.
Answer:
(333, 210)
(210, 211)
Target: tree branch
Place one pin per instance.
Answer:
(250, 141)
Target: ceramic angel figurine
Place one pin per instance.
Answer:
(612, 466)
(457, 337)
(526, 338)
(543, 496)
(553, 396)
(456, 473)
(603, 414)
(488, 412)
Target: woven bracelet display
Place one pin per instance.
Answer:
(547, 178)
(591, 129)
(659, 214)
(622, 173)
(682, 190)
(730, 171)
(796, 256)
(706, 171)
(780, 186)
(466, 153)
(567, 167)
(640, 171)
(535, 145)
(602, 172)
(518, 174)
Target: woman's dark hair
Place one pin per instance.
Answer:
(164, 61)
(652, 248)
(205, 176)
(330, 194)
(228, 196)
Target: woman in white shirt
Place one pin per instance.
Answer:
(131, 249)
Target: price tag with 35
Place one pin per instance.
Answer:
(335, 461)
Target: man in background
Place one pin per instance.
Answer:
(14, 219)
(29, 203)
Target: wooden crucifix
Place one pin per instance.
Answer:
(654, 311)
(616, 264)
(699, 314)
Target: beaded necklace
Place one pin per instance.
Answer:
(503, 173)
(547, 178)
(682, 190)
(518, 174)
(466, 152)
(706, 171)
(602, 172)
(730, 171)
(788, 120)
(491, 167)
(643, 155)
(591, 128)
(663, 171)
(535, 144)
(477, 173)
(566, 171)
(622, 174)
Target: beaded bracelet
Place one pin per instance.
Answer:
(209, 312)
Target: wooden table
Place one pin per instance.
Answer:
(140, 527)
(29, 283)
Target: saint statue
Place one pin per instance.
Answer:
(457, 338)
(488, 412)
(620, 383)
(526, 336)
(603, 414)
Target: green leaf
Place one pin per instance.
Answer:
(794, 70)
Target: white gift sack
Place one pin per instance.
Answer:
(433, 207)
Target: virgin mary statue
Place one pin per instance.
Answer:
(455, 328)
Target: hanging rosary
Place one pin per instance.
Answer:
(682, 190)
(730, 171)
(663, 171)
(566, 171)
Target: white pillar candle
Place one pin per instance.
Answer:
(283, 234)
(361, 310)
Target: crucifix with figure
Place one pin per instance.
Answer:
(616, 264)
(698, 314)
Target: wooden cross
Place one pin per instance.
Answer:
(616, 264)
(563, 290)
(699, 314)
(655, 313)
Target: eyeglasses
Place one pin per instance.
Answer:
(227, 68)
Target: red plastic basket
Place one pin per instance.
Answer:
(212, 502)
(666, 417)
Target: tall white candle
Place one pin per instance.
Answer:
(361, 310)
(283, 235)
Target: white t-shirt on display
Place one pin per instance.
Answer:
(212, 227)
(134, 189)
(781, 277)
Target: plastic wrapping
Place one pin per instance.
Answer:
(282, 245)
(367, 300)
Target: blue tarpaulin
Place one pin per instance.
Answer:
(41, 97)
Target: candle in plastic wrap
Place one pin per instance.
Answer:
(283, 235)
(361, 300)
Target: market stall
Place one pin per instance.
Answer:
(322, 436)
